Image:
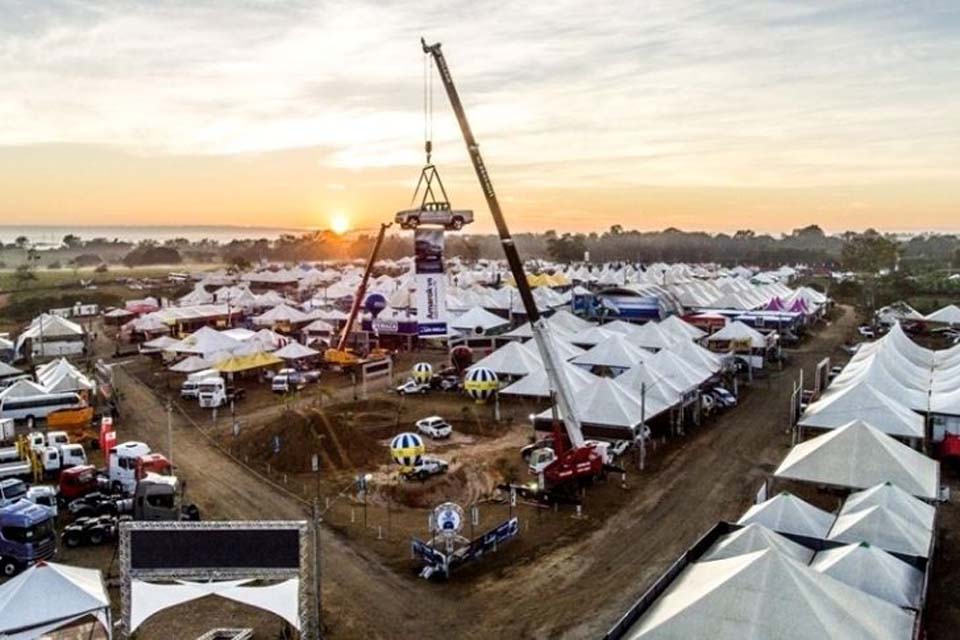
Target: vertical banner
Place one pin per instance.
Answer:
(431, 284)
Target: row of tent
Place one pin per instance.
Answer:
(791, 571)
(56, 376)
(900, 311)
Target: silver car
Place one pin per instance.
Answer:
(436, 214)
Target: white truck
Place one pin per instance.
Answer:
(7, 433)
(212, 392)
(122, 465)
(190, 389)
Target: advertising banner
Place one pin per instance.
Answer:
(431, 284)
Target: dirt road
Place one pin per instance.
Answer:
(576, 591)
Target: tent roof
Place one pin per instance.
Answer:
(6, 370)
(767, 594)
(677, 326)
(205, 341)
(564, 349)
(191, 364)
(615, 350)
(478, 317)
(512, 359)
(591, 336)
(883, 528)
(652, 336)
(295, 351)
(859, 456)
(161, 343)
(894, 499)
(862, 401)
(786, 513)
(236, 364)
(755, 537)
(536, 384)
(737, 330)
(47, 592)
(874, 571)
(949, 314)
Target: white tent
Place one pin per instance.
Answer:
(295, 351)
(536, 384)
(786, 513)
(205, 341)
(859, 456)
(882, 528)
(736, 332)
(478, 321)
(563, 349)
(591, 336)
(614, 352)
(895, 500)
(7, 371)
(608, 403)
(681, 373)
(677, 326)
(862, 401)
(281, 314)
(874, 571)
(697, 355)
(158, 344)
(191, 364)
(48, 596)
(949, 314)
(23, 389)
(767, 595)
(651, 336)
(566, 321)
(755, 537)
(512, 359)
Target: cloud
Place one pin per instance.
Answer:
(770, 94)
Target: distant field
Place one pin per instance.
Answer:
(50, 278)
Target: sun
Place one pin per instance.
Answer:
(339, 223)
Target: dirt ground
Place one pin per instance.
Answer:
(563, 577)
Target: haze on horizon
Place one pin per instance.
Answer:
(699, 114)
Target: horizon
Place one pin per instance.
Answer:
(698, 115)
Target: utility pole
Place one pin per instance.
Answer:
(316, 567)
(170, 430)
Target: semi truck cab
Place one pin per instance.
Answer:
(27, 535)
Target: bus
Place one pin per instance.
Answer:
(33, 408)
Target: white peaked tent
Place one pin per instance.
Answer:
(737, 331)
(948, 315)
(645, 380)
(7, 371)
(563, 349)
(894, 499)
(607, 403)
(651, 336)
(204, 342)
(537, 385)
(786, 513)
(48, 596)
(478, 321)
(512, 359)
(158, 344)
(566, 321)
(679, 372)
(295, 351)
(591, 336)
(280, 314)
(676, 326)
(191, 364)
(766, 595)
(859, 456)
(615, 352)
(23, 389)
(874, 571)
(697, 355)
(755, 537)
(882, 528)
(863, 402)
(621, 326)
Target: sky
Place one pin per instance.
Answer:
(699, 114)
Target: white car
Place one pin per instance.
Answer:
(440, 215)
(411, 386)
(428, 466)
(434, 427)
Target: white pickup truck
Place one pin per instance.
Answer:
(434, 427)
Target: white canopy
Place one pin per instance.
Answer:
(766, 594)
(48, 596)
(23, 389)
(615, 352)
(755, 537)
(282, 313)
(737, 331)
(895, 500)
(677, 326)
(478, 321)
(205, 341)
(786, 513)
(191, 364)
(862, 401)
(295, 351)
(6, 370)
(607, 402)
(512, 359)
(536, 384)
(591, 336)
(651, 336)
(949, 314)
(859, 456)
(882, 528)
(874, 571)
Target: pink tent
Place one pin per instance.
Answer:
(775, 304)
(800, 305)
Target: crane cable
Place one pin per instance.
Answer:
(428, 105)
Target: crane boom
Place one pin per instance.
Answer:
(361, 290)
(541, 330)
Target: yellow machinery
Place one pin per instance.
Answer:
(341, 356)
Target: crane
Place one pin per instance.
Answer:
(341, 355)
(582, 459)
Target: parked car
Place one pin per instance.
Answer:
(867, 331)
(723, 397)
(411, 386)
(287, 380)
(434, 427)
(437, 214)
(429, 466)
(445, 383)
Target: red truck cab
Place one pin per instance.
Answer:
(78, 481)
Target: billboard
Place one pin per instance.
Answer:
(431, 285)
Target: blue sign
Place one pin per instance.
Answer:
(432, 328)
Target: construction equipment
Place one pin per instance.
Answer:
(76, 422)
(340, 356)
(573, 459)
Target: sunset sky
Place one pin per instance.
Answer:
(698, 114)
